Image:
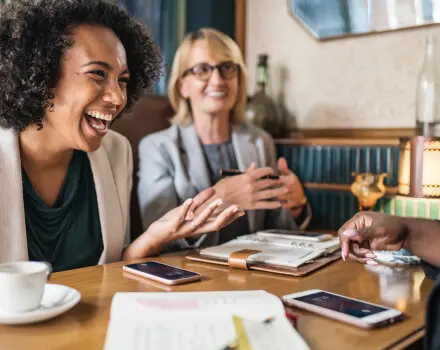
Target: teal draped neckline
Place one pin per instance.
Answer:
(68, 234)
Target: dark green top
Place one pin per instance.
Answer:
(68, 234)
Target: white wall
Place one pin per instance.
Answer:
(363, 82)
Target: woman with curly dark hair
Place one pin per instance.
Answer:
(67, 69)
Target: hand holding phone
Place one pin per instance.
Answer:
(255, 189)
(353, 311)
(162, 273)
(234, 172)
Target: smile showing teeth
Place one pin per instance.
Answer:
(216, 93)
(102, 127)
(99, 115)
(99, 124)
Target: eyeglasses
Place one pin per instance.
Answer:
(203, 71)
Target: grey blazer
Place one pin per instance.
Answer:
(172, 168)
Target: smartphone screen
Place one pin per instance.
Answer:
(161, 270)
(340, 304)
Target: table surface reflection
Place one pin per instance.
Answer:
(84, 327)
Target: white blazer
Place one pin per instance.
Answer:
(112, 167)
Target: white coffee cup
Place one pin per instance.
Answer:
(22, 285)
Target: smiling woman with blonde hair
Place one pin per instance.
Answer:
(207, 90)
(226, 50)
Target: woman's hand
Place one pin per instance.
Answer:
(251, 190)
(294, 197)
(181, 222)
(367, 231)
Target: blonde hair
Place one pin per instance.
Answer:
(222, 47)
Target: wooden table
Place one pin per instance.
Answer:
(84, 327)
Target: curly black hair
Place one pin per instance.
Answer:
(34, 35)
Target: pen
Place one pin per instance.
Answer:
(233, 172)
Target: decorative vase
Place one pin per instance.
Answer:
(261, 110)
(368, 188)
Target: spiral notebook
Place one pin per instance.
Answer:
(279, 254)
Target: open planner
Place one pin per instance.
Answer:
(251, 320)
(280, 254)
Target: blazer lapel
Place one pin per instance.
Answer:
(191, 150)
(246, 152)
(244, 147)
(110, 215)
(13, 242)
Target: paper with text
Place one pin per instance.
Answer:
(198, 320)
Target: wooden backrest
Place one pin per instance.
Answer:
(151, 114)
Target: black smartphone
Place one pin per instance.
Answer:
(162, 273)
(233, 172)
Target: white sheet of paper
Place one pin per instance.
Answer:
(276, 335)
(194, 334)
(197, 320)
(246, 304)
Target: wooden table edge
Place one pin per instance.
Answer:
(408, 340)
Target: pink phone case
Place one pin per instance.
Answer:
(163, 280)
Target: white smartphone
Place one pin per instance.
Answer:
(353, 311)
(302, 235)
(162, 273)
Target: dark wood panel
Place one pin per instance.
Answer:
(150, 114)
(240, 25)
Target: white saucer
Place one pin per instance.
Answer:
(56, 300)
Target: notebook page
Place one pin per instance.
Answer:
(197, 320)
(277, 335)
(144, 306)
(213, 333)
(271, 254)
(280, 252)
(194, 334)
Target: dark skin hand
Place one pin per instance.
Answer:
(369, 231)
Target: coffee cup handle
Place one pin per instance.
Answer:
(49, 269)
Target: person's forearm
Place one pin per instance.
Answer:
(423, 239)
(142, 247)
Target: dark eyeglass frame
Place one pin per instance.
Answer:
(211, 68)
